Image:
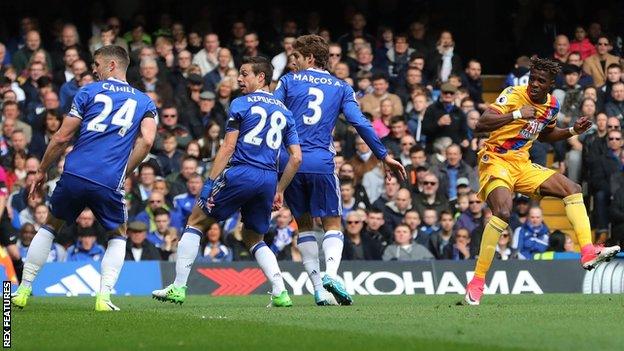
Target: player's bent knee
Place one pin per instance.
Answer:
(503, 213)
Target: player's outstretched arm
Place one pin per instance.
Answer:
(294, 161)
(550, 135)
(224, 154)
(58, 143)
(143, 144)
(491, 119)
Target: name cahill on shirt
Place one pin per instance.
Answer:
(118, 88)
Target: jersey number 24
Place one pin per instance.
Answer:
(122, 118)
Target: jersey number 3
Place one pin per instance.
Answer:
(122, 118)
(274, 135)
(315, 106)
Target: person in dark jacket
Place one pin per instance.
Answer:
(441, 238)
(603, 168)
(138, 248)
(460, 247)
(454, 168)
(616, 215)
(444, 118)
(443, 61)
(357, 244)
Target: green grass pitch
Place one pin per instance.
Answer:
(526, 322)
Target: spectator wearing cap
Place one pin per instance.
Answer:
(224, 63)
(520, 211)
(473, 217)
(452, 169)
(27, 233)
(594, 66)
(532, 236)
(404, 248)
(169, 124)
(86, 247)
(444, 119)
(371, 103)
(138, 248)
(210, 111)
(615, 107)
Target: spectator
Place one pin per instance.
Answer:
(454, 168)
(27, 215)
(210, 112)
(443, 118)
(441, 238)
(64, 73)
(69, 89)
(138, 248)
(397, 59)
(560, 242)
(170, 158)
(503, 247)
(165, 236)
(412, 219)
(593, 65)
(615, 107)
(415, 116)
(418, 161)
(109, 34)
(363, 161)
(407, 142)
(471, 79)
(359, 244)
(371, 103)
(210, 143)
(212, 249)
(430, 222)
(169, 125)
(429, 197)
(224, 63)
(614, 75)
(520, 212)
(280, 61)
(335, 55)
(398, 130)
(185, 202)
(460, 247)
(11, 111)
(282, 235)
(156, 200)
(472, 218)
(443, 61)
(575, 59)
(149, 81)
(382, 124)
(532, 236)
(607, 164)
(561, 48)
(404, 249)
(581, 43)
(348, 199)
(569, 96)
(347, 172)
(86, 248)
(520, 74)
(22, 57)
(85, 222)
(27, 233)
(41, 139)
(358, 23)
(371, 182)
(206, 58)
(395, 210)
(376, 228)
(181, 72)
(177, 181)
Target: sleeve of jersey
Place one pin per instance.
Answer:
(234, 116)
(505, 102)
(354, 116)
(553, 123)
(80, 100)
(280, 90)
(290, 136)
(150, 110)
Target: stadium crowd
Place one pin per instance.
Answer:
(422, 98)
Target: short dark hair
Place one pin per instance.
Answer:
(614, 65)
(445, 212)
(160, 211)
(115, 52)
(397, 119)
(552, 67)
(260, 64)
(346, 181)
(416, 148)
(379, 76)
(374, 210)
(313, 45)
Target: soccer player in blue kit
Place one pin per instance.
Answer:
(258, 126)
(117, 126)
(315, 98)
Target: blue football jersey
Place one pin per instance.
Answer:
(264, 124)
(111, 113)
(316, 98)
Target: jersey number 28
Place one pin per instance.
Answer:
(123, 116)
(274, 135)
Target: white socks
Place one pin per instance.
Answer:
(37, 255)
(308, 246)
(112, 262)
(187, 252)
(333, 241)
(268, 262)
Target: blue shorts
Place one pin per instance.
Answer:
(72, 194)
(247, 188)
(317, 194)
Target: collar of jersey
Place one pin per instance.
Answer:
(117, 80)
(317, 70)
(263, 91)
